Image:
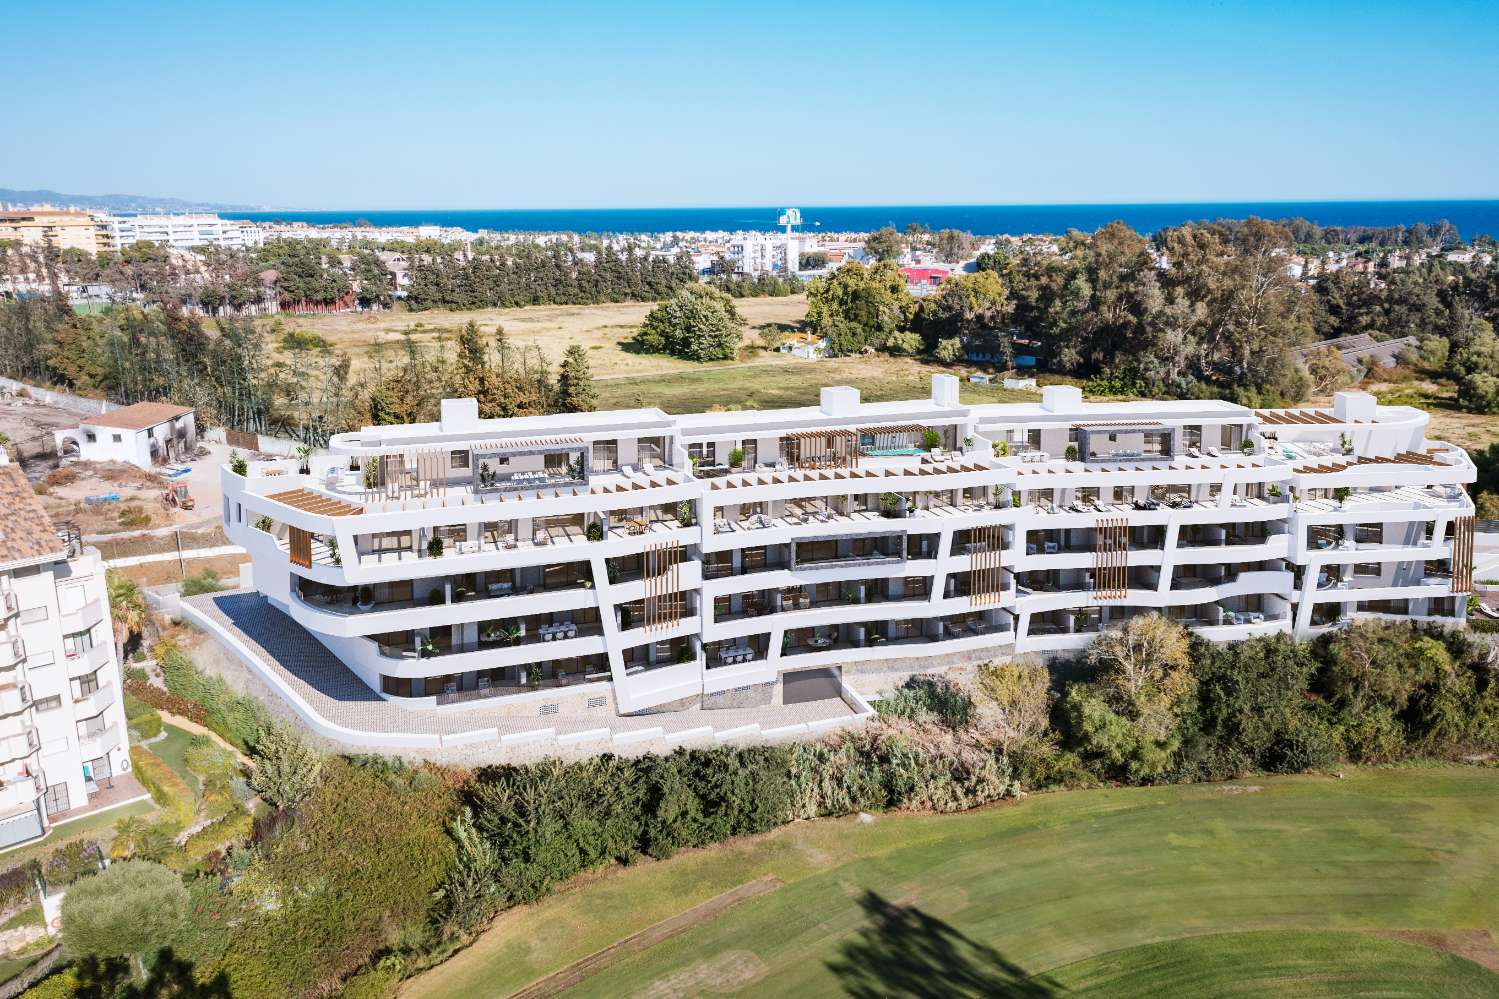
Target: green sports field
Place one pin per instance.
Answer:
(1300, 886)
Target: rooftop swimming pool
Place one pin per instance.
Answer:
(886, 452)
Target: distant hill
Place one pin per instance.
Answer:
(114, 202)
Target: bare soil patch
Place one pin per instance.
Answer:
(733, 969)
(1240, 788)
(1477, 946)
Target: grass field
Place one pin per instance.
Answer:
(1078, 891)
(172, 748)
(603, 329)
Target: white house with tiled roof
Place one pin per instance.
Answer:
(649, 561)
(144, 434)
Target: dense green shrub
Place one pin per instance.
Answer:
(69, 862)
(285, 769)
(928, 698)
(165, 785)
(353, 872)
(234, 716)
(141, 718)
(17, 888)
(206, 581)
(132, 910)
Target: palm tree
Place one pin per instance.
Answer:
(127, 609)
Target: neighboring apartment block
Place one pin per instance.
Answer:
(62, 716)
(183, 231)
(657, 561)
(57, 227)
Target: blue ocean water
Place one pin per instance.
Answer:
(1472, 218)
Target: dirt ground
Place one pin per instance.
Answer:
(170, 571)
(604, 329)
(29, 425)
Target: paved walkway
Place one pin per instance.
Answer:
(332, 690)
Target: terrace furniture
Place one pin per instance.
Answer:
(499, 589)
(1049, 547)
(483, 683)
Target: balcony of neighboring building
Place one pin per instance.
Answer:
(821, 596)
(500, 681)
(992, 624)
(1377, 500)
(1084, 540)
(860, 508)
(503, 638)
(444, 591)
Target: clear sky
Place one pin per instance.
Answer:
(444, 104)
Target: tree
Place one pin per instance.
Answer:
(575, 389)
(127, 609)
(966, 305)
(1328, 372)
(872, 299)
(954, 245)
(698, 323)
(1019, 694)
(132, 910)
(885, 245)
(1148, 654)
(285, 769)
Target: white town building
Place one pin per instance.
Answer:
(143, 434)
(62, 716)
(183, 231)
(654, 561)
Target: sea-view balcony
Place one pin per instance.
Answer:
(843, 593)
(992, 622)
(500, 681)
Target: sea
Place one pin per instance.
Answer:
(1471, 218)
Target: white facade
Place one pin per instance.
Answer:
(761, 253)
(183, 231)
(629, 551)
(62, 716)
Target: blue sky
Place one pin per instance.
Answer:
(442, 104)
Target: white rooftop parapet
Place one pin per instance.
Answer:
(1062, 399)
(945, 390)
(1353, 407)
(460, 415)
(840, 400)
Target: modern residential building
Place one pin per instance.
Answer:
(61, 228)
(143, 434)
(754, 253)
(62, 716)
(651, 561)
(183, 231)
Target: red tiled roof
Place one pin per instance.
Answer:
(141, 416)
(25, 529)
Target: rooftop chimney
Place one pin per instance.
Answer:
(945, 390)
(1062, 399)
(459, 415)
(1353, 407)
(840, 400)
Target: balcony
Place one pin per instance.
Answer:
(9, 606)
(15, 697)
(96, 740)
(19, 745)
(12, 651)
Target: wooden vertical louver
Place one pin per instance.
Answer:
(1111, 558)
(1462, 555)
(299, 545)
(985, 577)
(663, 585)
(408, 474)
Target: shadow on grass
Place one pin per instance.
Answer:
(170, 975)
(902, 951)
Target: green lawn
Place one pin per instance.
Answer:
(1032, 889)
(97, 826)
(172, 748)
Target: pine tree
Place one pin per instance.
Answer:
(471, 366)
(575, 389)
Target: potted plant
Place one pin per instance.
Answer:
(1347, 441)
(434, 546)
(371, 473)
(333, 551)
(1247, 447)
(931, 440)
(1015, 498)
(1341, 494)
(486, 475)
(238, 465)
(1001, 449)
(967, 443)
(891, 505)
(364, 598)
(684, 513)
(1071, 453)
(594, 531)
(626, 619)
(1274, 490)
(435, 598)
(425, 648)
(684, 654)
(303, 454)
(736, 457)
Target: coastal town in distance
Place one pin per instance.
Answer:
(1010, 510)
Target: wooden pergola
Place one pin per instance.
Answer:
(824, 448)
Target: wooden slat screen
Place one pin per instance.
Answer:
(1462, 555)
(1111, 558)
(242, 439)
(985, 577)
(414, 473)
(663, 585)
(299, 544)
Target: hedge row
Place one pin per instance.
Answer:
(166, 786)
(234, 716)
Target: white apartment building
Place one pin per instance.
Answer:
(657, 561)
(754, 253)
(62, 715)
(183, 231)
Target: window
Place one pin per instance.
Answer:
(1368, 569)
(88, 435)
(751, 449)
(702, 452)
(77, 643)
(115, 438)
(48, 703)
(605, 456)
(86, 686)
(458, 459)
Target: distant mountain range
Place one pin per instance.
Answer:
(114, 202)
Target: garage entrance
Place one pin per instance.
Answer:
(805, 685)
